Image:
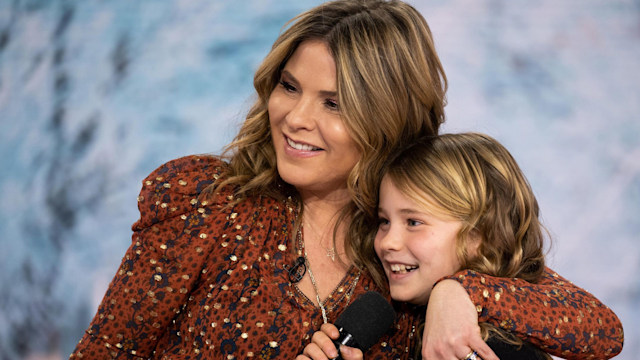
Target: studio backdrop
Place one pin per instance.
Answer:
(96, 94)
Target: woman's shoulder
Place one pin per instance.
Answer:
(201, 170)
(177, 186)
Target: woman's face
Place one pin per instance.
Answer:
(415, 247)
(314, 150)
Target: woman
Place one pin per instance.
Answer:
(453, 202)
(226, 256)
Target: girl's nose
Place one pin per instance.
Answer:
(390, 241)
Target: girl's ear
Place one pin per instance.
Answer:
(474, 239)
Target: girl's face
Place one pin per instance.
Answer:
(314, 150)
(415, 247)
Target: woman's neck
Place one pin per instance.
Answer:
(322, 213)
(324, 254)
(324, 206)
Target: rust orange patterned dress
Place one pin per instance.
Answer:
(205, 281)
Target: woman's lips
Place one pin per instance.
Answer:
(301, 146)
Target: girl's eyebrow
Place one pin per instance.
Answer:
(408, 211)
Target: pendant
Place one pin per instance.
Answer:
(331, 253)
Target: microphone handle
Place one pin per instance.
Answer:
(344, 339)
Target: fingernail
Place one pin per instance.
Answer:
(345, 350)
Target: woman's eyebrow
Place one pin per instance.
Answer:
(323, 93)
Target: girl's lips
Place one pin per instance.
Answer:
(398, 270)
(402, 268)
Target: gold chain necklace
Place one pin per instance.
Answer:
(349, 293)
(315, 287)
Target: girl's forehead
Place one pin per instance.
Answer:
(426, 201)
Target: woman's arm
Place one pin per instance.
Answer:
(142, 299)
(555, 315)
(159, 268)
(451, 329)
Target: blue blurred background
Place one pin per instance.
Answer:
(96, 94)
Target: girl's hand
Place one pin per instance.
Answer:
(322, 347)
(451, 328)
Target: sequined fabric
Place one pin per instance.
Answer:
(205, 281)
(201, 281)
(557, 316)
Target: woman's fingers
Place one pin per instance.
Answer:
(314, 352)
(322, 342)
(482, 349)
(322, 346)
(331, 330)
(350, 353)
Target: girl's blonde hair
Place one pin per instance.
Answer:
(391, 88)
(472, 178)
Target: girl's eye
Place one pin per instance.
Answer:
(382, 222)
(412, 222)
(287, 86)
(332, 104)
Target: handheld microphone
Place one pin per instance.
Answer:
(364, 321)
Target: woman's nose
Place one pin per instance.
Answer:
(301, 115)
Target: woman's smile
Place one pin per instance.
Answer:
(301, 146)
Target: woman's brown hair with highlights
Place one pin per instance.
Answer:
(391, 89)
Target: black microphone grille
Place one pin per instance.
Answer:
(367, 319)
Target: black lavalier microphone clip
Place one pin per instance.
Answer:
(297, 270)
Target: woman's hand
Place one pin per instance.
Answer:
(451, 328)
(322, 347)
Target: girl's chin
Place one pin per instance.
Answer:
(403, 296)
(409, 297)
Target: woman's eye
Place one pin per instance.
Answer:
(332, 104)
(287, 86)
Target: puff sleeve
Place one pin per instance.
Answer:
(161, 265)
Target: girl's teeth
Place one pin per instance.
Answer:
(303, 147)
(398, 268)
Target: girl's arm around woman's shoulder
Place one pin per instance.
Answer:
(559, 317)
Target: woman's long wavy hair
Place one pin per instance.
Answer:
(391, 89)
(472, 178)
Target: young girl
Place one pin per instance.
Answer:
(448, 203)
